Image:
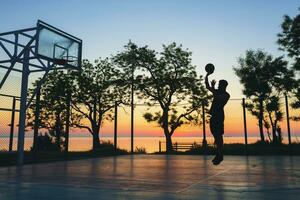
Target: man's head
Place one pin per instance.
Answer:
(222, 85)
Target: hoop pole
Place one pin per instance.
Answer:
(159, 146)
(245, 124)
(132, 110)
(12, 124)
(36, 121)
(68, 123)
(288, 118)
(204, 142)
(116, 126)
(22, 117)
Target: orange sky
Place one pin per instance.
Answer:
(233, 119)
(233, 123)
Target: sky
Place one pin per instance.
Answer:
(216, 31)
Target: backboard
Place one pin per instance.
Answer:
(58, 46)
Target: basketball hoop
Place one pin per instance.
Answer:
(66, 60)
(58, 46)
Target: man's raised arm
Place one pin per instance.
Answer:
(210, 88)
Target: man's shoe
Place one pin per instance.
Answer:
(218, 160)
(215, 159)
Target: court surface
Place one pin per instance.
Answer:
(155, 177)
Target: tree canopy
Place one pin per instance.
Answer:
(53, 105)
(289, 41)
(98, 87)
(264, 79)
(170, 80)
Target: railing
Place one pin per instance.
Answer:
(180, 146)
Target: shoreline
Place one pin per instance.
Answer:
(256, 149)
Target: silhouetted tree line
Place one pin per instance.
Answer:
(167, 79)
(266, 79)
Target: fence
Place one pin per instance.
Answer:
(238, 121)
(11, 114)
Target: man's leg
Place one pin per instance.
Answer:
(219, 144)
(215, 142)
(219, 151)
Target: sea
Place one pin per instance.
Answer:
(150, 144)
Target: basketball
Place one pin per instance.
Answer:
(209, 68)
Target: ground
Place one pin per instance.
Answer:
(155, 177)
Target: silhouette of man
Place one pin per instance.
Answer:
(220, 98)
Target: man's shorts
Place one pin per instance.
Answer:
(217, 125)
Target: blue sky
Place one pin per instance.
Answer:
(215, 31)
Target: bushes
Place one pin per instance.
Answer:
(140, 150)
(45, 142)
(258, 148)
(108, 148)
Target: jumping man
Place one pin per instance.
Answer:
(220, 98)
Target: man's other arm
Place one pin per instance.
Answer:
(210, 88)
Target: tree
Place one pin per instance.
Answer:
(53, 105)
(274, 115)
(170, 80)
(264, 79)
(97, 87)
(289, 38)
(289, 41)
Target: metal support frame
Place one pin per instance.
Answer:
(27, 58)
(23, 52)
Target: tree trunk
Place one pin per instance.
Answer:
(273, 125)
(96, 141)
(274, 134)
(260, 120)
(95, 133)
(169, 146)
(275, 138)
(279, 135)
